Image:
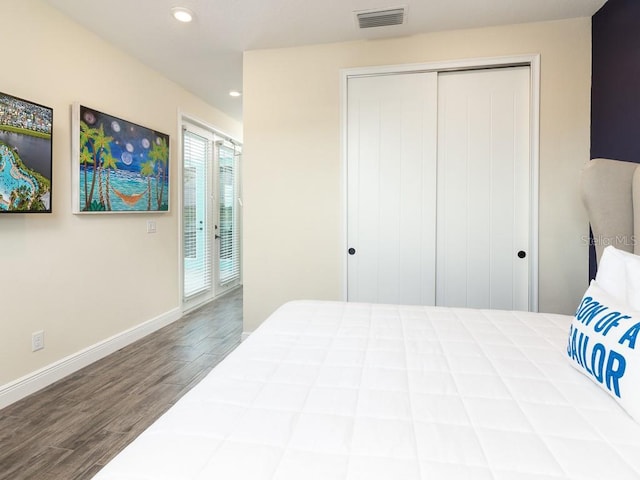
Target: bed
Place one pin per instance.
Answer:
(346, 391)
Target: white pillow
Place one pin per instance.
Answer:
(602, 345)
(632, 265)
(612, 273)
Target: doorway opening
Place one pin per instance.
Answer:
(211, 214)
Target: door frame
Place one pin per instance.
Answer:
(530, 60)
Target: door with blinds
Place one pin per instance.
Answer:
(227, 233)
(196, 241)
(211, 215)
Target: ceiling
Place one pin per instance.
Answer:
(205, 56)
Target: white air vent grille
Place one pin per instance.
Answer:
(381, 18)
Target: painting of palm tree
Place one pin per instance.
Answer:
(119, 166)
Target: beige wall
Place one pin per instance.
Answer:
(293, 172)
(85, 278)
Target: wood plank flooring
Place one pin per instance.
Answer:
(70, 429)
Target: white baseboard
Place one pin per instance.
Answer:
(32, 382)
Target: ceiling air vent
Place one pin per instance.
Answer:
(381, 18)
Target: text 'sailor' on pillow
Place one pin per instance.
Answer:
(604, 344)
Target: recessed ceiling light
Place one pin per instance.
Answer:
(235, 93)
(182, 14)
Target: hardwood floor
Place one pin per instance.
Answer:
(69, 430)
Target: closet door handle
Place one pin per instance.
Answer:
(352, 251)
(522, 254)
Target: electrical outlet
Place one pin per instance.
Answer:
(37, 341)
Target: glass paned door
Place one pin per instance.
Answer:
(196, 226)
(211, 214)
(228, 231)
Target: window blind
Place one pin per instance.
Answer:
(197, 243)
(229, 218)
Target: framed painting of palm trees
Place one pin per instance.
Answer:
(118, 166)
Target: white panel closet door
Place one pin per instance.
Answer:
(391, 160)
(483, 189)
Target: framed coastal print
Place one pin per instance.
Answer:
(25, 156)
(118, 166)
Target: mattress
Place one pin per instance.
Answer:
(344, 391)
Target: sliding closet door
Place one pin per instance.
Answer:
(439, 188)
(391, 173)
(483, 189)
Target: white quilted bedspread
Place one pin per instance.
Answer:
(342, 391)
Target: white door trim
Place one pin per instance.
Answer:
(533, 61)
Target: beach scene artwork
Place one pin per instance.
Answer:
(119, 166)
(25, 156)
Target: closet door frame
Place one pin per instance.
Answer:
(533, 62)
